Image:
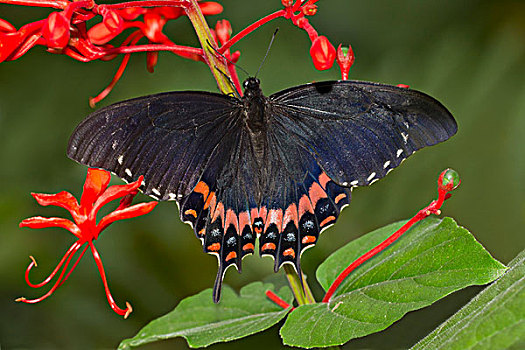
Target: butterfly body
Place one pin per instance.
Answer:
(280, 168)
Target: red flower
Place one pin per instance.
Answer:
(56, 30)
(96, 194)
(345, 59)
(323, 53)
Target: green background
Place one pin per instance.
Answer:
(468, 54)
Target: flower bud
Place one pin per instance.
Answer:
(151, 60)
(210, 8)
(287, 3)
(56, 30)
(345, 59)
(309, 10)
(448, 180)
(223, 29)
(113, 21)
(323, 53)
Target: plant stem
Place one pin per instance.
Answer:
(217, 64)
(303, 296)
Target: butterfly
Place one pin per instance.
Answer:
(278, 168)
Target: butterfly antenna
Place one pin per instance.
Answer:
(226, 58)
(267, 51)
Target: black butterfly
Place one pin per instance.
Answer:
(280, 168)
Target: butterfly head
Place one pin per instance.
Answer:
(252, 86)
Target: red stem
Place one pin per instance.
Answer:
(153, 3)
(38, 3)
(57, 283)
(132, 39)
(277, 299)
(250, 29)
(112, 304)
(72, 250)
(432, 208)
(183, 51)
(74, 265)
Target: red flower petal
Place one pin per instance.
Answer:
(97, 181)
(323, 53)
(210, 8)
(42, 222)
(100, 34)
(153, 28)
(113, 21)
(126, 213)
(56, 30)
(131, 13)
(62, 199)
(6, 27)
(115, 192)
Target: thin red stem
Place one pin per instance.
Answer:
(72, 250)
(249, 29)
(133, 39)
(112, 304)
(74, 265)
(184, 51)
(154, 3)
(57, 283)
(432, 208)
(277, 299)
(38, 3)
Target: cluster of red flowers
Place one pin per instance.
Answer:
(70, 31)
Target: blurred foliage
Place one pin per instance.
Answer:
(468, 54)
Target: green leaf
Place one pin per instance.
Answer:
(201, 322)
(433, 259)
(494, 319)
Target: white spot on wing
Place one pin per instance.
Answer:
(354, 183)
(387, 163)
(399, 151)
(371, 176)
(405, 136)
(128, 172)
(345, 183)
(172, 196)
(120, 159)
(154, 190)
(114, 144)
(406, 125)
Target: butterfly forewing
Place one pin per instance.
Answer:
(359, 131)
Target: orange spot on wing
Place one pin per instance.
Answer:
(305, 206)
(219, 211)
(231, 255)
(244, 219)
(210, 201)
(291, 215)
(248, 246)
(323, 179)
(339, 197)
(275, 216)
(308, 239)
(327, 220)
(215, 247)
(258, 229)
(231, 218)
(201, 232)
(289, 252)
(191, 212)
(268, 246)
(316, 193)
(202, 188)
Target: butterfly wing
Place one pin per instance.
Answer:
(170, 138)
(359, 131)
